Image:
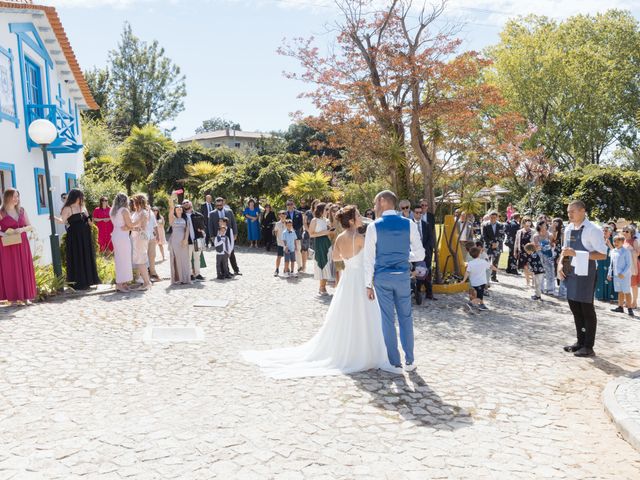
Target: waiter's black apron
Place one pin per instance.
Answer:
(579, 288)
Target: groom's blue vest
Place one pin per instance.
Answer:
(393, 244)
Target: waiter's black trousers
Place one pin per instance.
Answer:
(584, 316)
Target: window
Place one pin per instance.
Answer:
(33, 82)
(8, 109)
(7, 176)
(70, 181)
(217, 145)
(237, 145)
(41, 191)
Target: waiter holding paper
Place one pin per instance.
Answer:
(583, 245)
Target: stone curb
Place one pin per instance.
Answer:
(628, 427)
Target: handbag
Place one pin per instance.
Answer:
(11, 239)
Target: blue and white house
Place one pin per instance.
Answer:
(39, 78)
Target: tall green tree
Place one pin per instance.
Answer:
(99, 83)
(140, 154)
(217, 123)
(146, 87)
(577, 81)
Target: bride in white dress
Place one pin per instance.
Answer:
(351, 338)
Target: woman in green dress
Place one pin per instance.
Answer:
(604, 288)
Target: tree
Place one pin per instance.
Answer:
(577, 81)
(217, 123)
(141, 152)
(97, 140)
(170, 169)
(200, 176)
(100, 86)
(146, 87)
(310, 185)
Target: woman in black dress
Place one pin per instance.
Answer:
(82, 272)
(522, 238)
(266, 225)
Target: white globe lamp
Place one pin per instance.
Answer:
(43, 132)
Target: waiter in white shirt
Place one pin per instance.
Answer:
(581, 236)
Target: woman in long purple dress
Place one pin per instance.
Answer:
(17, 276)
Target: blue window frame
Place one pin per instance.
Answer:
(41, 191)
(8, 107)
(7, 176)
(33, 82)
(70, 181)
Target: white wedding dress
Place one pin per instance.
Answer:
(349, 341)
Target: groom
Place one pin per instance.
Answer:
(391, 242)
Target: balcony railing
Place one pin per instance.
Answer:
(67, 141)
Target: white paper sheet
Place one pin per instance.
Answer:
(581, 263)
(211, 303)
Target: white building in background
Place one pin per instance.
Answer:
(227, 138)
(39, 78)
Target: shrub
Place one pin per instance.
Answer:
(47, 284)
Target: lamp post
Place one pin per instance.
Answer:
(44, 133)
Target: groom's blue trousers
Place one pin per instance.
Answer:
(394, 295)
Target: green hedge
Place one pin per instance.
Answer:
(609, 193)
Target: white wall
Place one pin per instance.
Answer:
(13, 143)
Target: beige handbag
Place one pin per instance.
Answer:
(13, 239)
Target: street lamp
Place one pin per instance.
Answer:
(44, 133)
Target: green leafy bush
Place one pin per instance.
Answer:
(47, 284)
(607, 192)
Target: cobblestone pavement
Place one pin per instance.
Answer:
(493, 397)
(622, 402)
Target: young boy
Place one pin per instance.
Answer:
(223, 244)
(485, 256)
(289, 238)
(477, 275)
(620, 273)
(536, 268)
(277, 231)
(419, 274)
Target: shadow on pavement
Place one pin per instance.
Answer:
(412, 398)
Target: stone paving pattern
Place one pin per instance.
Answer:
(628, 396)
(493, 397)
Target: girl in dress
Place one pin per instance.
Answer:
(252, 214)
(162, 239)
(140, 239)
(102, 219)
(179, 246)
(122, 225)
(82, 271)
(17, 276)
(523, 237)
(319, 230)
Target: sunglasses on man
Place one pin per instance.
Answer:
(406, 208)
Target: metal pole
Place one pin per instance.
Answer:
(56, 259)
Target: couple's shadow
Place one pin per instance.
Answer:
(412, 398)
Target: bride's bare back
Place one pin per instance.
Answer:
(348, 244)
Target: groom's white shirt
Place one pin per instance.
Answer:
(416, 253)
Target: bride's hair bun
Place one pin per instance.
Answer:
(346, 214)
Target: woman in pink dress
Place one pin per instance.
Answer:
(102, 219)
(510, 212)
(17, 276)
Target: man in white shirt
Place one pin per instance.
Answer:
(583, 241)
(391, 243)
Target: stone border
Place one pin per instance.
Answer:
(628, 427)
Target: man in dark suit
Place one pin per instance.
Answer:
(492, 238)
(205, 209)
(511, 230)
(427, 231)
(221, 211)
(298, 224)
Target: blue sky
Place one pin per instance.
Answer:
(227, 48)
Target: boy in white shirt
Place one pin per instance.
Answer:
(223, 244)
(277, 231)
(477, 275)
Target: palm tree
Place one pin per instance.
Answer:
(201, 176)
(140, 153)
(309, 185)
